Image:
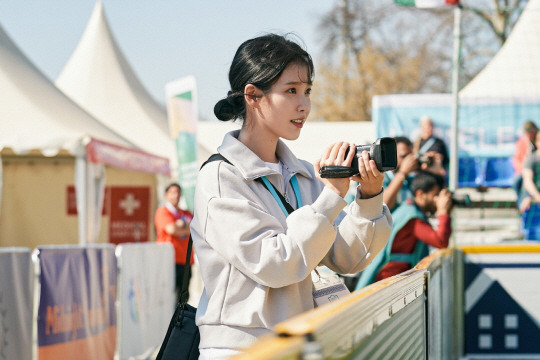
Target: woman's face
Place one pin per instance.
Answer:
(285, 107)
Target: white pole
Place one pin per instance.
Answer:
(81, 187)
(455, 100)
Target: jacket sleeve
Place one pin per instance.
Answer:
(255, 242)
(361, 235)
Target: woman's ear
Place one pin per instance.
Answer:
(251, 95)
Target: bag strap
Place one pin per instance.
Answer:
(187, 266)
(184, 290)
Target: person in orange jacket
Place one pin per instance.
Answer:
(172, 225)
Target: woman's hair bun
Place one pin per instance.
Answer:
(229, 108)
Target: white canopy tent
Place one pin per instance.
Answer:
(37, 118)
(514, 72)
(99, 78)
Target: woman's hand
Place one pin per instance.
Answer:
(334, 155)
(369, 177)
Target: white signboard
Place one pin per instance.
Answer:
(146, 296)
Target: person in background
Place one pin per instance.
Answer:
(257, 248)
(412, 233)
(430, 149)
(525, 145)
(396, 183)
(530, 191)
(172, 225)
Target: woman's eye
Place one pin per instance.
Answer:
(292, 91)
(308, 91)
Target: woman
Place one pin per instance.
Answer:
(255, 257)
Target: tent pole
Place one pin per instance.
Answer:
(455, 100)
(81, 185)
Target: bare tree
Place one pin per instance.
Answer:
(374, 47)
(500, 17)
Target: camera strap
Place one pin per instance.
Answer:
(427, 145)
(280, 199)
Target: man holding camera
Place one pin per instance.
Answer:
(396, 183)
(412, 232)
(431, 148)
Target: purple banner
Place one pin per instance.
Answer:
(77, 315)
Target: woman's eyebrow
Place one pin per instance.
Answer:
(298, 83)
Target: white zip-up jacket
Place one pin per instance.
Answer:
(255, 261)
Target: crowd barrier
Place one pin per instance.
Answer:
(472, 302)
(85, 302)
(468, 303)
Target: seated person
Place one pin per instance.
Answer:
(412, 232)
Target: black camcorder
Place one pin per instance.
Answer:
(383, 151)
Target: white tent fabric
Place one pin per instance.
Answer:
(35, 115)
(100, 80)
(515, 69)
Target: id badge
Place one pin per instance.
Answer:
(328, 288)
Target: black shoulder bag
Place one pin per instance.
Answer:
(182, 339)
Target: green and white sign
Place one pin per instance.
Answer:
(182, 110)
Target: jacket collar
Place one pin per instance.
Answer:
(251, 166)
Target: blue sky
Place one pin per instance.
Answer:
(163, 40)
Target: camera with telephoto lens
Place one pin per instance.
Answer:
(461, 200)
(383, 151)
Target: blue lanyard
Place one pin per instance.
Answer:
(296, 190)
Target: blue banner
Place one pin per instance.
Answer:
(487, 130)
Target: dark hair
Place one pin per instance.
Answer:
(529, 126)
(426, 181)
(171, 185)
(260, 62)
(403, 139)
